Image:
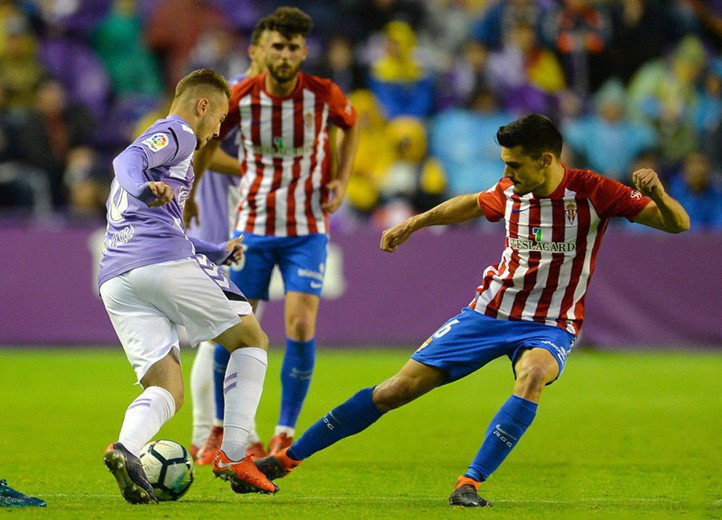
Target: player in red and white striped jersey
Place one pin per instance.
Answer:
(289, 185)
(529, 306)
(286, 188)
(551, 246)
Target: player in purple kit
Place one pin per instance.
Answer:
(153, 278)
(217, 195)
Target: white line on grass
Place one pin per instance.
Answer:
(717, 503)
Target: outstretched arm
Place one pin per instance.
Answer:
(453, 211)
(663, 212)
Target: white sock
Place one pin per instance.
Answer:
(290, 432)
(204, 403)
(253, 437)
(145, 416)
(242, 389)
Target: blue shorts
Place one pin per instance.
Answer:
(470, 340)
(301, 260)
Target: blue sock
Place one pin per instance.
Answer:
(504, 432)
(220, 362)
(296, 374)
(356, 414)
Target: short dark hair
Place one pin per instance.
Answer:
(290, 21)
(203, 77)
(535, 133)
(261, 26)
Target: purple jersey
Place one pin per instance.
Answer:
(137, 234)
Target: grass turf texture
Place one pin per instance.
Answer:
(621, 435)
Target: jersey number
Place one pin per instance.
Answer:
(118, 203)
(446, 328)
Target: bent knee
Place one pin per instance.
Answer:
(258, 339)
(531, 378)
(247, 333)
(394, 392)
(178, 401)
(262, 341)
(535, 375)
(301, 329)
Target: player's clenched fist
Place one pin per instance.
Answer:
(647, 182)
(235, 251)
(163, 193)
(395, 236)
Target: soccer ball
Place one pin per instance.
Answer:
(169, 467)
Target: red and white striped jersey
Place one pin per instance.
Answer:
(550, 248)
(285, 153)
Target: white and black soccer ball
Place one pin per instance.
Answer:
(169, 467)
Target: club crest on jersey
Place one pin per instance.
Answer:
(156, 142)
(537, 233)
(278, 144)
(571, 211)
(308, 120)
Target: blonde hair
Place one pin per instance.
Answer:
(201, 78)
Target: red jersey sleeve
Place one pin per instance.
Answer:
(493, 201)
(341, 112)
(611, 198)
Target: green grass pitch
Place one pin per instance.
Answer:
(620, 435)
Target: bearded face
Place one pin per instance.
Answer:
(284, 56)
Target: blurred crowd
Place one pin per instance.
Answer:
(631, 83)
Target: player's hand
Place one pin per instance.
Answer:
(647, 182)
(393, 237)
(162, 192)
(235, 251)
(337, 190)
(191, 213)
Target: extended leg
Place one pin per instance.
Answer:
(355, 415)
(535, 368)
